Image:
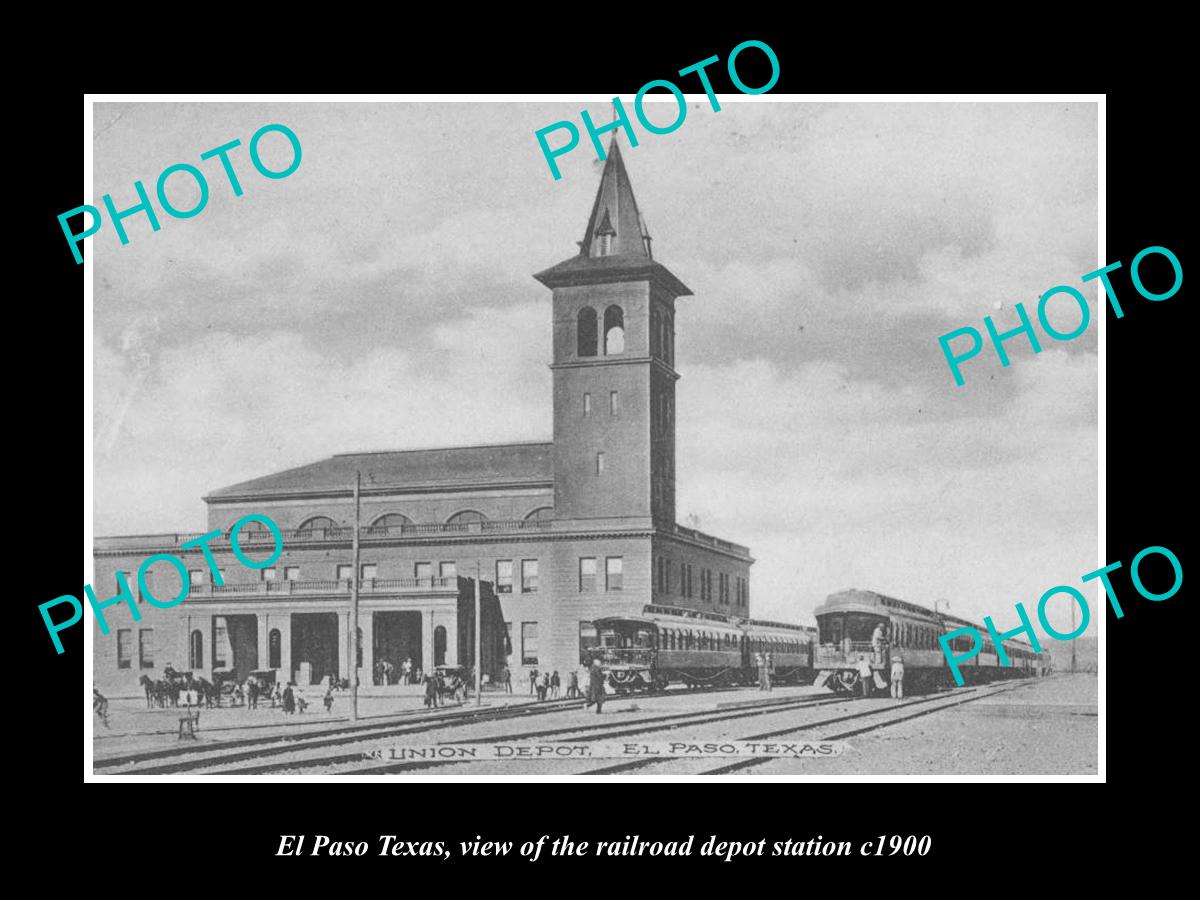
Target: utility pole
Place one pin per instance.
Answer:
(354, 605)
(1073, 640)
(478, 642)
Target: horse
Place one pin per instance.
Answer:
(147, 684)
(207, 691)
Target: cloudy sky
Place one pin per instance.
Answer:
(380, 298)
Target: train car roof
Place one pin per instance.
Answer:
(679, 612)
(786, 626)
(640, 620)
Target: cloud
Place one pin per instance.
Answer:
(381, 298)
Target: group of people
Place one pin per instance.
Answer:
(896, 676)
(387, 673)
(440, 684)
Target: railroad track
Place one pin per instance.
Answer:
(172, 760)
(596, 731)
(608, 730)
(977, 693)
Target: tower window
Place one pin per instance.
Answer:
(614, 330)
(586, 332)
(587, 404)
(612, 403)
(599, 463)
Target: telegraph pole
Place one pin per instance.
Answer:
(478, 642)
(354, 606)
(1073, 640)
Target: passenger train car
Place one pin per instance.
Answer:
(847, 625)
(667, 645)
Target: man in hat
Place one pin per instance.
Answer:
(596, 685)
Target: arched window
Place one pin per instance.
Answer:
(196, 650)
(274, 648)
(251, 531)
(466, 515)
(614, 330)
(316, 523)
(391, 521)
(540, 514)
(585, 332)
(439, 645)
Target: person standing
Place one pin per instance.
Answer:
(768, 665)
(897, 673)
(573, 685)
(289, 700)
(864, 674)
(879, 642)
(760, 664)
(555, 684)
(506, 675)
(596, 685)
(533, 681)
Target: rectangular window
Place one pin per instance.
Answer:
(269, 573)
(423, 571)
(448, 570)
(690, 591)
(612, 403)
(134, 586)
(124, 648)
(291, 573)
(369, 571)
(529, 644)
(587, 404)
(599, 463)
(146, 648)
(345, 573)
(529, 576)
(196, 576)
(504, 576)
(683, 579)
(587, 574)
(613, 566)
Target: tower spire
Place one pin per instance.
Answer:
(614, 211)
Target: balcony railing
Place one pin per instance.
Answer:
(703, 538)
(342, 586)
(249, 536)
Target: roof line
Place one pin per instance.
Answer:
(464, 447)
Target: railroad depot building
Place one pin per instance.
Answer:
(562, 531)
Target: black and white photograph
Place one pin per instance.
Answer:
(658, 468)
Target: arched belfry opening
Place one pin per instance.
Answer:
(614, 330)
